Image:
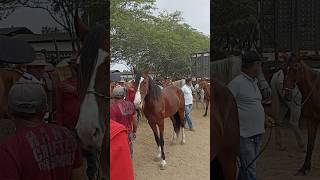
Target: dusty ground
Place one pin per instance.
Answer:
(282, 165)
(187, 162)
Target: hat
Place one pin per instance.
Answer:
(118, 92)
(39, 60)
(27, 96)
(249, 57)
(122, 80)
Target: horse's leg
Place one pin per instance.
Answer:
(207, 105)
(163, 158)
(229, 165)
(182, 123)
(156, 137)
(312, 133)
(174, 133)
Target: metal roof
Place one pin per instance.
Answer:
(14, 30)
(43, 37)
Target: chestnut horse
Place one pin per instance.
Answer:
(94, 95)
(224, 134)
(308, 82)
(206, 88)
(157, 105)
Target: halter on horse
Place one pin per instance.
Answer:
(307, 80)
(157, 105)
(93, 93)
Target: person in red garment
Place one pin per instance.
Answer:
(120, 161)
(37, 150)
(131, 93)
(68, 104)
(123, 111)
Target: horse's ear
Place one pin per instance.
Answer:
(81, 29)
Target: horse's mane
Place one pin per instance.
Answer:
(154, 89)
(88, 58)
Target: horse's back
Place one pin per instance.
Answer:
(174, 99)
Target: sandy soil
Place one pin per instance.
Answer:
(187, 162)
(282, 165)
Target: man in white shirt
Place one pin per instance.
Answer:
(188, 99)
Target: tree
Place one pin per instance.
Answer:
(161, 43)
(6, 8)
(234, 24)
(63, 11)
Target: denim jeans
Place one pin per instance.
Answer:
(187, 111)
(130, 140)
(248, 150)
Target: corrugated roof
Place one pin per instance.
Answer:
(43, 37)
(14, 30)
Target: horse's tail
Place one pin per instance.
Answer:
(178, 123)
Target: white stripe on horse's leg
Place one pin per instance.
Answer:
(183, 141)
(159, 152)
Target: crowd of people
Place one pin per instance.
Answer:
(45, 145)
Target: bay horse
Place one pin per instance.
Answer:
(224, 134)
(157, 105)
(93, 80)
(308, 82)
(206, 88)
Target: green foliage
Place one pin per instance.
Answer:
(234, 24)
(161, 43)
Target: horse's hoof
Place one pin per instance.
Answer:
(162, 167)
(183, 142)
(172, 143)
(204, 115)
(156, 159)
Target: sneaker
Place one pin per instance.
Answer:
(191, 129)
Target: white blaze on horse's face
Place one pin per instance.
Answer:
(90, 126)
(137, 98)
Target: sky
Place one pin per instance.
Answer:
(195, 13)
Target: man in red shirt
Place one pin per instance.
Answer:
(68, 105)
(37, 150)
(123, 112)
(120, 162)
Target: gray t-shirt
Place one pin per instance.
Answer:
(248, 98)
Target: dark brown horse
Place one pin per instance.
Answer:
(157, 105)
(224, 134)
(206, 88)
(94, 95)
(308, 82)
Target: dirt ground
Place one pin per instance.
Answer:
(282, 165)
(188, 162)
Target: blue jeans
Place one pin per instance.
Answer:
(248, 150)
(187, 111)
(130, 139)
